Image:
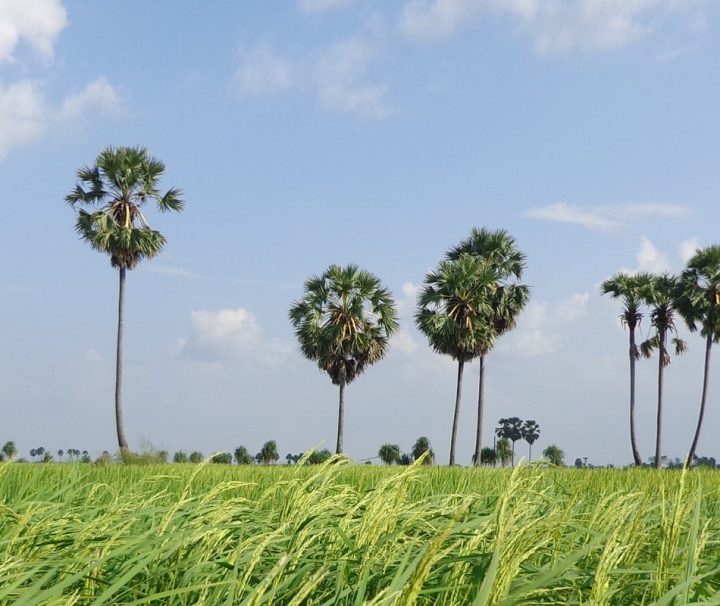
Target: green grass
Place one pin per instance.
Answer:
(353, 535)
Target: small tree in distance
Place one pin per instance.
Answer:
(554, 455)
(422, 446)
(196, 457)
(389, 453)
(504, 451)
(180, 457)
(242, 456)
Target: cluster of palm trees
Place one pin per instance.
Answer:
(390, 453)
(694, 295)
(346, 317)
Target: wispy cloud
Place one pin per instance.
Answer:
(336, 76)
(25, 115)
(321, 6)
(541, 329)
(553, 26)
(605, 217)
(173, 272)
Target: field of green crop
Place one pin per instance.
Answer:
(353, 535)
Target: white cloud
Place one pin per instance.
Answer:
(99, 95)
(554, 26)
(565, 213)
(22, 115)
(320, 6)
(650, 259)
(173, 272)
(230, 334)
(434, 19)
(669, 211)
(605, 217)
(35, 22)
(541, 330)
(405, 339)
(25, 114)
(336, 76)
(263, 72)
(688, 248)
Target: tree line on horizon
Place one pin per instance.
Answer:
(346, 317)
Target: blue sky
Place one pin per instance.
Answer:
(311, 132)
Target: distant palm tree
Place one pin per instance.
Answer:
(9, 450)
(498, 251)
(660, 296)
(530, 433)
(389, 453)
(510, 429)
(630, 290)
(452, 308)
(554, 455)
(33, 453)
(122, 181)
(422, 446)
(344, 322)
(698, 302)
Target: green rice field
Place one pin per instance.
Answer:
(354, 535)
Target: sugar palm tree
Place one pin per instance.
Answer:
(510, 429)
(630, 290)
(660, 296)
(452, 307)
(698, 302)
(110, 196)
(530, 433)
(344, 322)
(498, 250)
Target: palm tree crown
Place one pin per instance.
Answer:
(123, 180)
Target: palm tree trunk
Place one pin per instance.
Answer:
(703, 399)
(341, 419)
(481, 403)
(658, 427)
(512, 463)
(633, 439)
(529, 452)
(122, 441)
(456, 416)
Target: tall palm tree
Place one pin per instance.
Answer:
(530, 433)
(344, 322)
(698, 302)
(498, 250)
(452, 307)
(114, 190)
(389, 453)
(660, 297)
(630, 290)
(510, 429)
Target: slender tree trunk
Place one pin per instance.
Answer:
(481, 404)
(658, 428)
(512, 461)
(529, 452)
(122, 441)
(703, 399)
(633, 440)
(456, 416)
(341, 419)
